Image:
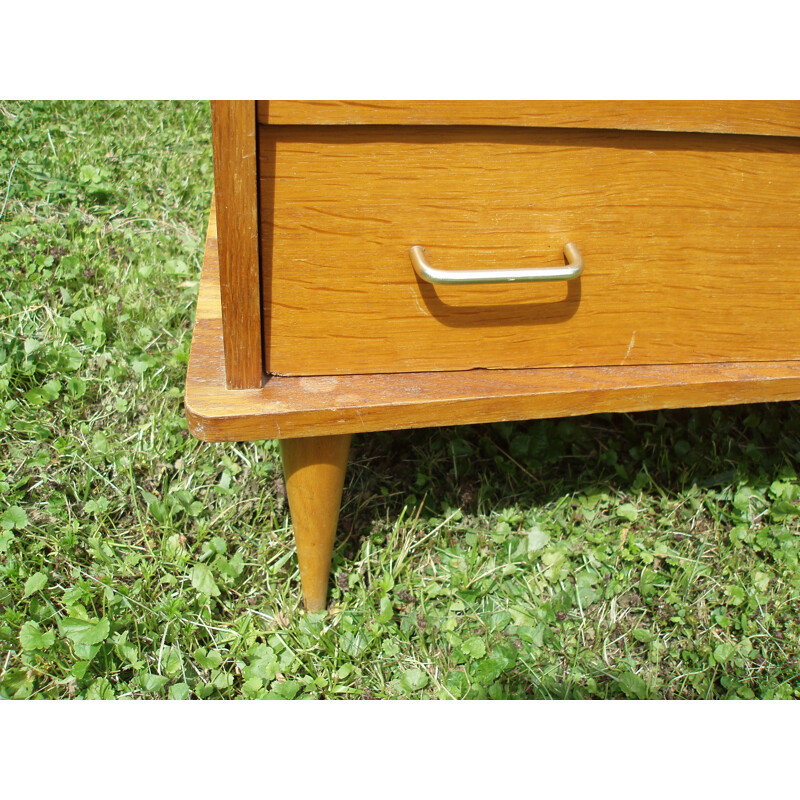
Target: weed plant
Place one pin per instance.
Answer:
(649, 555)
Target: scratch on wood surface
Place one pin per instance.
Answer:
(415, 295)
(630, 347)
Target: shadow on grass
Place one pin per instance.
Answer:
(480, 468)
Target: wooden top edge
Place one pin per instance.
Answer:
(764, 117)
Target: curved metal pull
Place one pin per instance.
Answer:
(432, 275)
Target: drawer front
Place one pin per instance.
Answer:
(691, 246)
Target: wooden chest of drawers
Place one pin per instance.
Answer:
(391, 265)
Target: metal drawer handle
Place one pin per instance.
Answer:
(432, 275)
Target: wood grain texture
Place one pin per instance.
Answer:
(235, 175)
(773, 117)
(691, 245)
(299, 407)
(314, 469)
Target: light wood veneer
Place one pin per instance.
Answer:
(681, 234)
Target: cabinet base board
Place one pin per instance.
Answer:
(292, 407)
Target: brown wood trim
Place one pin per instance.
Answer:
(297, 407)
(236, 177)
(771, 117)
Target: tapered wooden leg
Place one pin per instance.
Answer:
(313, 469)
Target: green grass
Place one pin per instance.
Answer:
(651, 555)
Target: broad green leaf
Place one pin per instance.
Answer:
(14, 518)
(499, 620)
(180, 691)
(262, 669)
(208, 659)
(35, 583)
(522, 615)
(6, 537)
(86, 651)
(89, 174)
(783, 509)
(488, 670)
(174, 547)
(344, 671)
(354, 643)
(585, 582)
(250, 688)
(457, 683)
(555, 563)
(203, 580)
(387, 611)
(761, 580)
(171, 662)
(287, 689)
(36, 397)
(203, 690)
(128, 651)
(141, 365)
(633, 686)
(219, 545)
(101, 689)
(100, 443)
(628, 511)
(52, 390)
(723, 653)
(229, 569)
(98, 506)
(647, 583)
(387, 582)
(736, 594)
(159, 510)
(222, 680)
(184, 498)
(76, 387)
(312, 623)
(532, 634)
(537, 539)
(32, 637)
(414, 679)
(744, 496)
(82, 631)
(31, 346)
(236, 562)
(474, 647)
(152, 683)
(79, 669)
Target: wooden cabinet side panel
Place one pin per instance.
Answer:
(235, 140)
